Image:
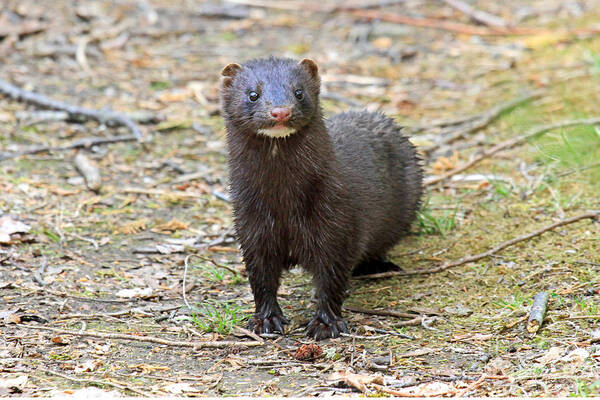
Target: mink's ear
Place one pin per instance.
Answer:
(311, 66)
(228, 73)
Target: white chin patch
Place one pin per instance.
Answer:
(277, 131)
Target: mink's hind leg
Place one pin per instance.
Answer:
(268, 317)
(374, 266)
(331, 284)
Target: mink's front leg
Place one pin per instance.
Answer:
(331, 284)
(264, 274)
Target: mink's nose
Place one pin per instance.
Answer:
(281, 114)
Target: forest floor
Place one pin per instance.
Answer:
(91, 282)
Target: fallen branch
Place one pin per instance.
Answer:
(482, 120)
(538, 312)
(477, 15)
(533, 133)
(386, 313)
(110, 118)
(465, 28)
(149, 339)
(594, 214)
(89, 170)
(22, 29)
(95, 382)
(84, 143)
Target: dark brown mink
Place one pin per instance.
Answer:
(331, 196)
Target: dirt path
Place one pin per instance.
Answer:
(112, 261)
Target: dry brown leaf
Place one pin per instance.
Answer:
(148, 368)
(133, 227)
(357, 381)
(383, 42)
(171, 226)
(87, 366)
(173, 96)
(444, 164)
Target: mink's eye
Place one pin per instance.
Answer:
(253, 96)
(299, 94)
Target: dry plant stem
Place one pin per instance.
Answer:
(482, 120)
(477, 15)
(587, 215)
(406, 393)
(390, 313)
(149, 339)
(78, 144)
(96, 382)
(75, 112)
(538, 312)
(465, 28)
(533, 133)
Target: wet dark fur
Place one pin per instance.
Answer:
(326, 201)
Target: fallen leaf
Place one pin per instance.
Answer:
(444, 164)
(8, 226)
(308, 352)
(12, 385)
(148, 368)
(357, 381)
(170, 227)
(133, 227)
(577, 356)
(87, 366)
(136, 292)
(178, 388)
(551, 355)
(59, 340)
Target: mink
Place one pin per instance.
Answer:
(332, 196)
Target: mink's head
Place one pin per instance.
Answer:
(273, 97)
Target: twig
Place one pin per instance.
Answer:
(467, 259)
(89, 170)
(75, 112)
(78, 144)
(482, 120)
(477, 15)
(95, 382)
(465, 28)
(535, 132)
(538, 312)
(158, 192)
(149, 339)
(365, 5)
(131, 311)
(24, 28)
(390, 313)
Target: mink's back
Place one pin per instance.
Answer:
(383, 174)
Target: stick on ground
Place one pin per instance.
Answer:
(482, 120)
(149, 339)
(77, 144)
(75, 112)
(533, 133)
(478, 15)
(538, 312)
(593, 214)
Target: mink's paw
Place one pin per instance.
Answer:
(271, 324)
(325, 326)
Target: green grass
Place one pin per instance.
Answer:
(435, 222)
(586, 389)
(573, 154)
(218, 317)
